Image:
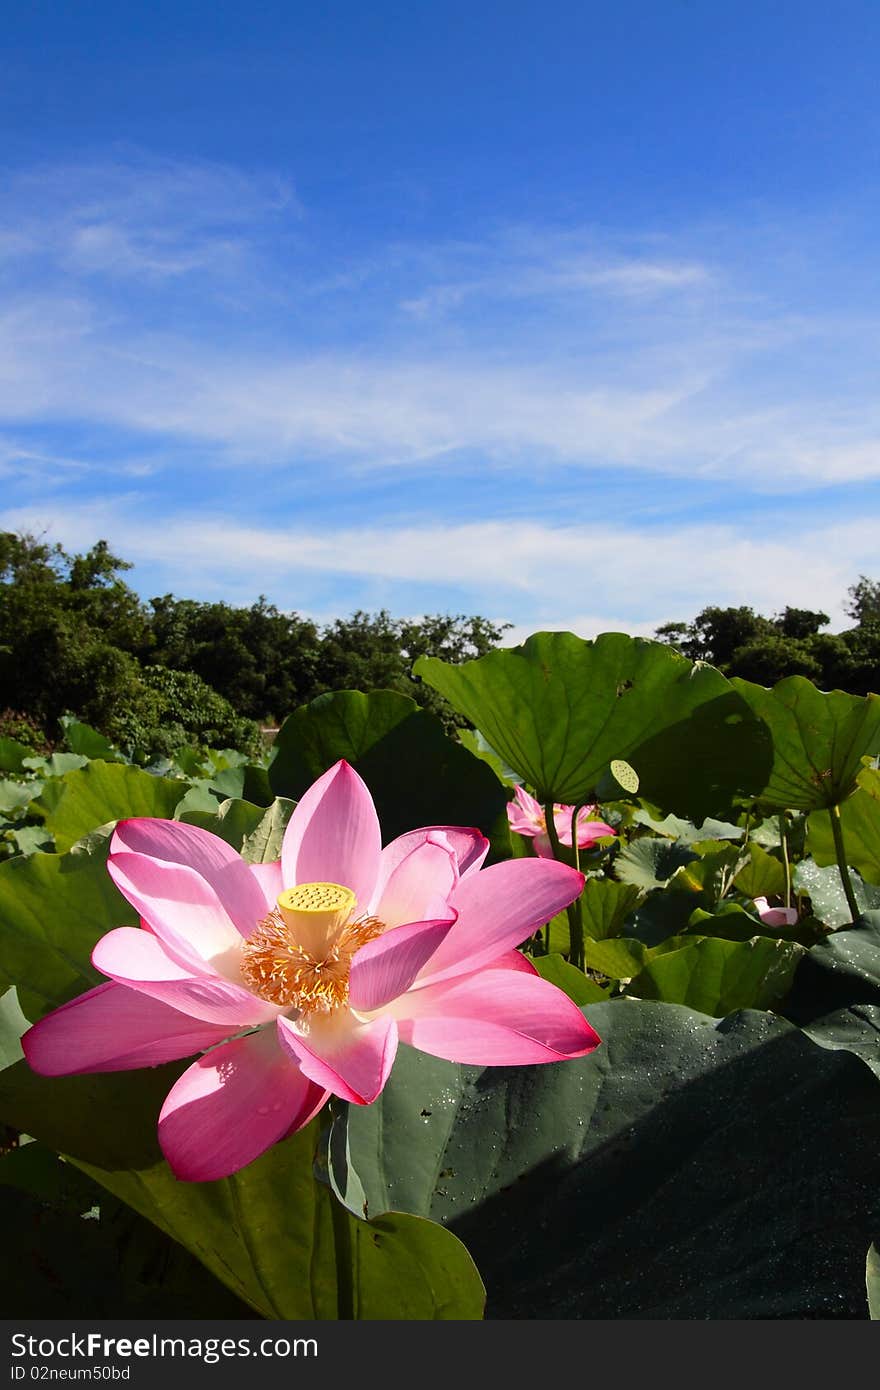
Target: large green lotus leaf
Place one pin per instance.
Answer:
(417, 776)
(825, 891)
(860, 823)
(675, 828)
(573, 982)
(15, 796)
(717, 976)
(474, 742)
(82, 738)
(688, 1168)
(819, 740)
(267, 1231)
(607, 905)
(255, 832)
(732, 923)
(619, 958)
(13, 754)
(54, 908)
(12, 1024)
(101, 792)
(558, 709)
(650, 862)
(762, 876)
(57, 765)
(29, 838)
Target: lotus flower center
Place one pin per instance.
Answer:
(300, 955)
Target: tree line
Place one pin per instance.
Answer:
(743, 643)
(75, 638)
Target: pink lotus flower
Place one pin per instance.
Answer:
(295, 980)
(775, 916)
(527, 817)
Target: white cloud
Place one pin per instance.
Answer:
(534, 574)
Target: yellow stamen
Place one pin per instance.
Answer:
(300, 954)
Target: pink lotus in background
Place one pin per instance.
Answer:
(295, 980)
(775, 916)
(526, 817)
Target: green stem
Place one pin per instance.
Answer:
(840, 850)
(575, 920)
(783, 840)
(343, 1252)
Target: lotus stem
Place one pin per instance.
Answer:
(573, 913)
(843, 867)
(783, 840)
(343, 1253)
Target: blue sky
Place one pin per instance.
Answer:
(562, 313)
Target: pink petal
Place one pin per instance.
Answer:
(387, 966)
(529, 807)
(426, 876)
(333, 835)
(588, 831)
(469, 848)
(138, 960)
(233, 1104)
(270, 881)
(775, 916)
(181, 907)
(498, 909)
(112, 1028)
(513, 960)
(175, 842)
(337, 1051)
(494, 1018)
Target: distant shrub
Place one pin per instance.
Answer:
(14, 723)
(172, 708)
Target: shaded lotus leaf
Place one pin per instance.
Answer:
(559, 710)
(416, 774)
(842, 971)
(677, 1172)
(819, 740)
(54, 908)
(73, 1246)
(857, 1029)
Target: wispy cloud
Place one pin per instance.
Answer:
(177, 327)
(133, 215)
(190, 302)
(670, 572)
